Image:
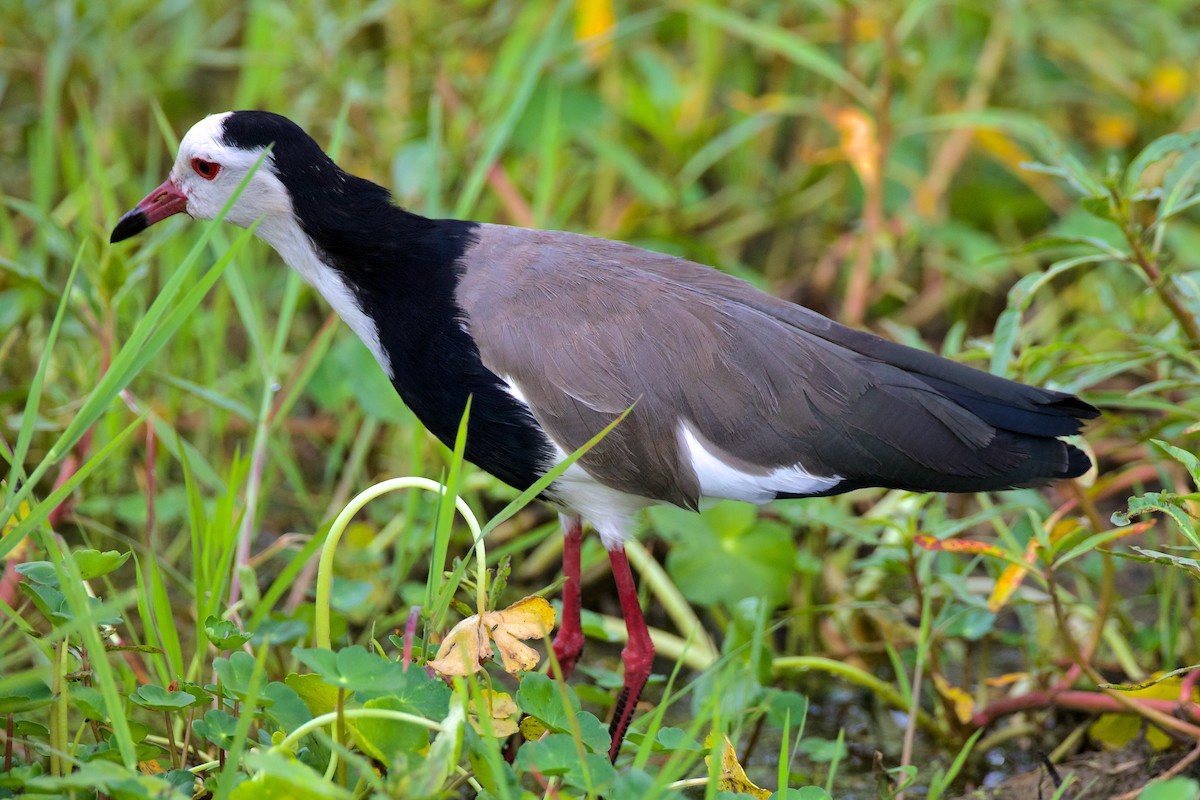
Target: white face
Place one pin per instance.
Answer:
(208, 173)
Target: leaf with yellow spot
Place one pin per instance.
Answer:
(1014, 574)
(733, 777)
(470, 643)
(1114, 731)
(498, 707)
(960, 701)
(150, 768)
(1012, 577)
(928, 542)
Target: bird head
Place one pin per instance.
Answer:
(215, 157)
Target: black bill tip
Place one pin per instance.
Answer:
(129, 225)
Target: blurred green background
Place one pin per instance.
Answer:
(877, 161)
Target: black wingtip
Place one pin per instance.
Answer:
(1077, 463)
(129, 225)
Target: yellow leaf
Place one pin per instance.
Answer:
(733, 777)
(1167, 86)
(22, 513)
(859, 143)
(1114, 731)
(594, 22)
(499, 707)
(464, 649)
(1006, 585)
(469, 643)
(964, 706)
(1113, 131)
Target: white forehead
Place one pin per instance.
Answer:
(206, 140)
(206, 135)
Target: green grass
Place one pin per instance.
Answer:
(995, 181)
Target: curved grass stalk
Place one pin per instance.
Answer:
(885, 691)
(321, 635)
(331, 718)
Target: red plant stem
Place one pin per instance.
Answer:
(1187, 687)
(410, 631)
(1090, 702)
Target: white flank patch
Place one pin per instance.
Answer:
(721, 480)
(285, 235)
(610, 511)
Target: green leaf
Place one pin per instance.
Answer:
(101, 775)
(287, 709)
(1190, 461)
(278, 777)
(667, 740)
(421, 694)
(224, 634)
(382, 739)
(93, 563)
(237, 674)
(804, 793)
(23, 693)
(314, 692)
(41, 572)
(353, 668)
(1189, 565)
(431, 772)
(783, 704)
(558, 755)
(1171, 789)
(217, 727)
(539, 696)
(728, 554)
(1156, 151)
(157, 698)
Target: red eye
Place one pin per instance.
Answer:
(206, 169)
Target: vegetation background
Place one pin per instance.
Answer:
(961, 176)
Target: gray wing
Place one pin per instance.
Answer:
(588, 327)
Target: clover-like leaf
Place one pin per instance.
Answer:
(237, 674)
(93, 563)
(731, 554)
(352, 668)
(469, 643)
(224, 634)
(539, 696)
(217, 727)
(559, 755)
(383, 739)
(157, 698)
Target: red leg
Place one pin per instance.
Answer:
(638, 655)
(568, 644)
